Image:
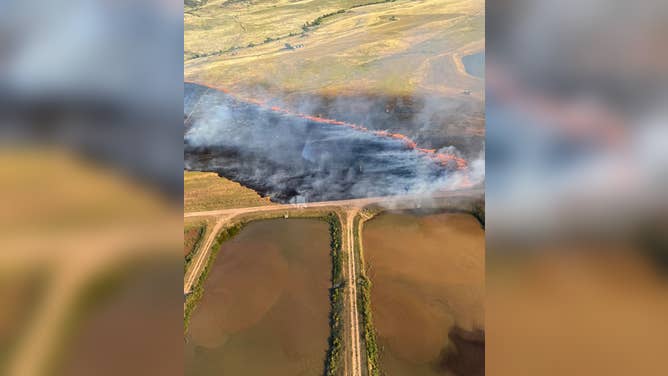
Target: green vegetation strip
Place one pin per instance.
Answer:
(200, 236)
(369, 331)
(336, 293)
(364, 303)
(198, 289)
(319, 20)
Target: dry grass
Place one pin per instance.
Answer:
(192, 235)
(208, 191)
(394, 48)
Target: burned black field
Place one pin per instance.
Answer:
(292, 157)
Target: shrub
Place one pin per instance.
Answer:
(336, 294)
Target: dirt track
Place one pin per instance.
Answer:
(200, 258)
(348, 247)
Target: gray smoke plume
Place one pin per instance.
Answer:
(293, 159)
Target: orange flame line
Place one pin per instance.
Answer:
(442, 159)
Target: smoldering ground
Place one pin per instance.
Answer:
(294, 158)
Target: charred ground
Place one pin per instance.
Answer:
(295, 159)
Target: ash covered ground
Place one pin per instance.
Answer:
(294, 159)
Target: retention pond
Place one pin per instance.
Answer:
(265, 305)
(427, 297)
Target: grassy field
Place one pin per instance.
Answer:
(218, 26)
(207, 191)
(391, 47)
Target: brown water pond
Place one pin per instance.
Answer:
(265, 306)
(427, 295)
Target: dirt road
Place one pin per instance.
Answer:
(390, 201)
(349, 249)
(202, 255)
(225, 215)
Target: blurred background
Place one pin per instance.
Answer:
(91, 180)
(577, 165)
(90, 167)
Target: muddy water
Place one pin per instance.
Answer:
(265, 305)
(428, 279)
